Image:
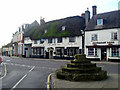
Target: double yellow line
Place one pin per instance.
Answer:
(5, 73)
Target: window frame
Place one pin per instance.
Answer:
(50, 40)
(113, 34)
(59, 40)
(94, 52)
(35, 42)
(115, 52)
(72, 39)
(99, 22)
(41, 42)
(94, 37)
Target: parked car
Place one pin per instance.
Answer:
(0, 59)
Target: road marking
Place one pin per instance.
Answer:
(32, 68)
(8, 60)
(22, 79)
(18, 82)
(48, 81)
(5, 71)
(100, 66)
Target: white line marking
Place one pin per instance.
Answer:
(22, 79)
(18, 82)
(7, 60)
(32, 68)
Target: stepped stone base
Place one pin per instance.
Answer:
(81, 70)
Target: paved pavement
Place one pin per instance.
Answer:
(111, 82)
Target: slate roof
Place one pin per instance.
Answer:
(34, 24)
(110, 20)
(8, 45)
(73, 25)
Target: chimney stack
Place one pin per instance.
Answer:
(94, 10)
(42, 21)
(87, 16)
(83, 15)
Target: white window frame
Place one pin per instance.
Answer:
(72, 39)
(113, 35)
(58, 40)
(35, 42)
(50, 40)
(94, 52)
(99, 22)
(94, 37)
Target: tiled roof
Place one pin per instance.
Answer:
(110, 20)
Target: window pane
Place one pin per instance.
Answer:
(50, 40)
(94, 37)
(71, 39)
(99, 21)
(41, 41)
(59, 40)
(115, 52)
(90, 51)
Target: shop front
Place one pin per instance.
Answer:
(103, 53)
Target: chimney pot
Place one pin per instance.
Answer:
(94, 10)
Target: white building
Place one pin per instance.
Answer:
(57, 39)
(18, 38)
(57, 47)
(102, 37)
(18, 42)
(27, 47)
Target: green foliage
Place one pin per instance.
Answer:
(52, 31)
(80, 57)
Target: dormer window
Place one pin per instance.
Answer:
(99, 21)
(63, 28)
(45, 31)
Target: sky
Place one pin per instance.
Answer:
(14, 13)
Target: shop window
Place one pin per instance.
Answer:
(72, 51)
(38, 51)
(58, 51)
(94, 37)
(59, 40)
(115, 52)
(50, 40)
(34, 50)
(92, 51)
(114, 36)
(71, 39)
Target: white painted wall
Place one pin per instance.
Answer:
(65, 43)
(103, 36)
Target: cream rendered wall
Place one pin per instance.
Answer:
(65, 43)
(103, 36)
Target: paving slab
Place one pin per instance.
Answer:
(111, 82)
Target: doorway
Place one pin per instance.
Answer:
(103, 54)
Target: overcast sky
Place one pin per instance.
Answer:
(14, 13)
